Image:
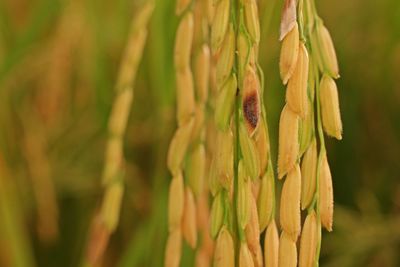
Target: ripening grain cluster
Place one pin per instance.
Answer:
(188, 209)
(226, 146)
(219, 41)
(106, 220)
(308, 67)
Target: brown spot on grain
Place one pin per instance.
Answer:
(251, 108)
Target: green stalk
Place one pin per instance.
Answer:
(313, 19)
(240, 231)
(237, 152)
(301, 20)
(320, 157)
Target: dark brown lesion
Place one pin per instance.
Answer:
(251, 109)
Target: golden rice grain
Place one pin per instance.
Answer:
(224, 158)
(178, 146)
(224, 254)
(220, 24)
(173, 249)
(114, 159)
(184, 96)
(226, 57)
(251, 20)
(309, 175)
(217, 215)
(181, 5)
(262, 144)
(249, 152)
(266, 199)
(258, 257)
(175, 202)
(225, 102)
(290, 203)
(202, 73)
(288, 141)
(196, 169)
(189, 227)
(330, 107)
(308, 242)
(213, 177)
(326, 195)
(271, 245)
(245, 257)
(111, 205)
(252, 230)
(296, 93)
(245, 55)
(327, 52)
(287, 251)
(289, 54)
(183, 42)
(134, 48)
(120, 112)
(132, 56)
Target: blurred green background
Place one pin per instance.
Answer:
(58, 64)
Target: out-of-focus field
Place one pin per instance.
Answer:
(58, 64)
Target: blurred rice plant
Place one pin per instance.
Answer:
(58, 63)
